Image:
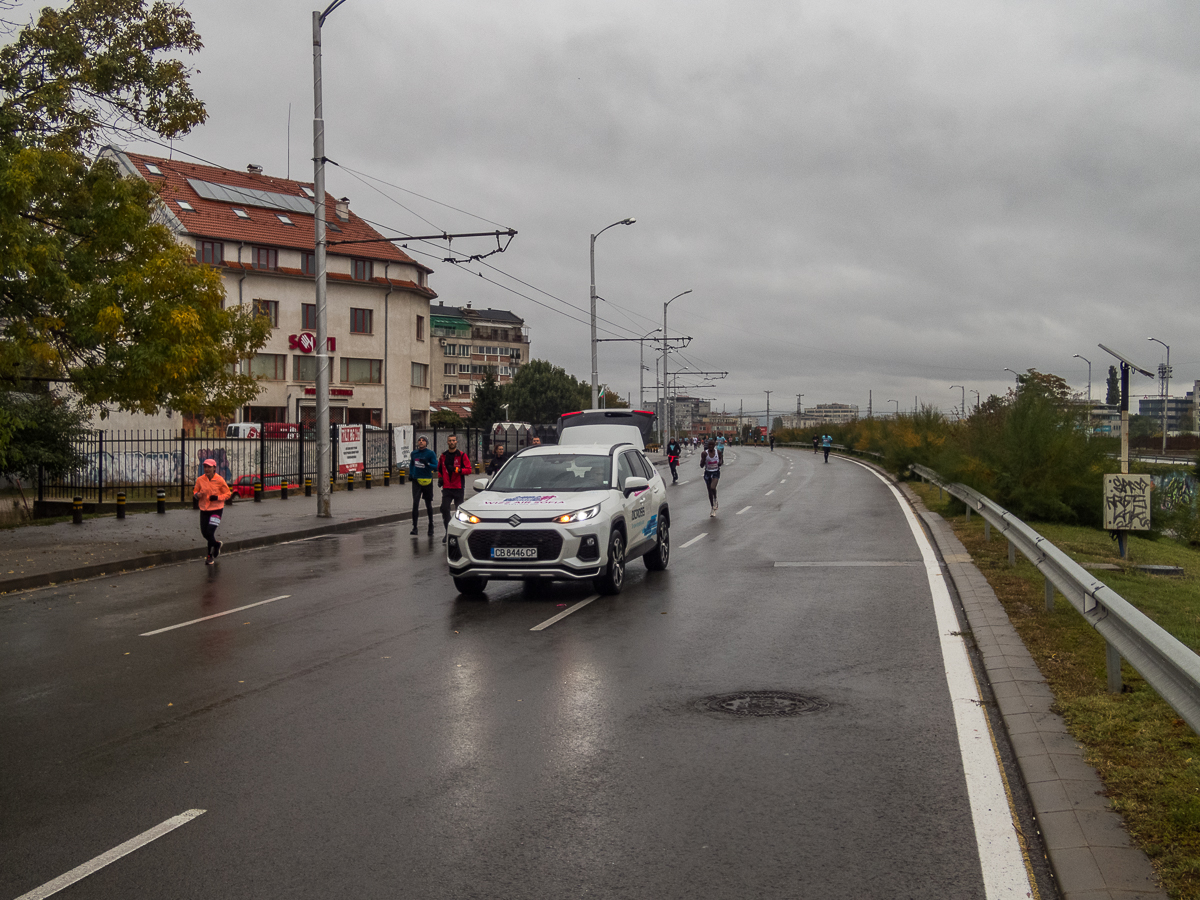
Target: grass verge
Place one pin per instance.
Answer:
(1147, 757)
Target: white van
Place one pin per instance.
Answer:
(242, 430)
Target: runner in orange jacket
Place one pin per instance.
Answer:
(212, 492)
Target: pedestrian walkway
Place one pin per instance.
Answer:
(37, 555)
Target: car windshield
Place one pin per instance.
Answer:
(561, 472)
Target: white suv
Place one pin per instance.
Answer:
(570, 512)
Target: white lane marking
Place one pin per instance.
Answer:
(683, 482)
(769, 493)
(698, 537)
(566, 612)
(214, 616)
(784, 481)
(742, 510)
(845, 564)
(81, 872)
(1003, 867)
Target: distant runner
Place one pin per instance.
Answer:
(710, 463)
(721, 447)
(673, 451)
(816, 444)
(826, 444)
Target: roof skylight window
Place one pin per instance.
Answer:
(153, 169)
(183, 204)
(241, 213)
(308, 192)
(284, 219)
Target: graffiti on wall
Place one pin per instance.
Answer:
(1127, 502)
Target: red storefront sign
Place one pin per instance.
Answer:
(306, 342)
(333, 392)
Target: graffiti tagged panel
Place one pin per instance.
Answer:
(1127, 502)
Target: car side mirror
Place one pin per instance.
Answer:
(481, 484)
(634, 483)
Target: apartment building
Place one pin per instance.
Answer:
(258, 231)
(468, 344)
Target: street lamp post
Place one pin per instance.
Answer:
(768, 393)
(642, 367)
(1166, 391)
(666, 350)
(964, 397)
(324, 506)
(1016, 373)
(976, 393)
(1089, 396)
(595, 380)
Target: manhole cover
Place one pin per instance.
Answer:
(762, 703)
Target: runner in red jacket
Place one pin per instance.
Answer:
(453, 465)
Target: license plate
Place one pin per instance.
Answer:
(514, 553)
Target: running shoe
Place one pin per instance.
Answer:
(217, 552)
(208, 560)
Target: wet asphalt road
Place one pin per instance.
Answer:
(374, 735)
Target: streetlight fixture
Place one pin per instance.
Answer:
(976, 393)
(595, 381)
(1016, 373)
(1089, 362)
(1165, 371)
(642, 366)
(324, 508)
(666, 350)
(964, 397)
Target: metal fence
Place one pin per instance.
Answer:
(1168, 665)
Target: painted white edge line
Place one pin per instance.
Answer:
(566, 612)
(769, 493)
(681, 483)
(213, 616)
(81, 872)
(742, 510)
(1003, 866)
(865, 564)
(698, 537)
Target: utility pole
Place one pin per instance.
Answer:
(768, 393)
(869, 415)
(1164, 374)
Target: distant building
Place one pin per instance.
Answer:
(1181, 411)
(468, 344)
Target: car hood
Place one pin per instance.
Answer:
(531, 504)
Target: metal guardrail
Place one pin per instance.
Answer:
(1168, 665)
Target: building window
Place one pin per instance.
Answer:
(362, 371)
(268, 308)
(153, 169)
(265, 258)
(308, 192)
(308, 262)
(308, 316)
(464, 368)
(361, 321)
(241, 213)
(420, 375)
(450, 369)
(304, 368)
(449, 390)
(360, 269)
(183, 204)
(420, 328)
(269, 366)
(211, 252)
(284, 219)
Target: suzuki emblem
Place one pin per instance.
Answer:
(514, 520)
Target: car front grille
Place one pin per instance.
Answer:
(547, 541)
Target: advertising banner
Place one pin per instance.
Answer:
(402, 444)
(350, 449)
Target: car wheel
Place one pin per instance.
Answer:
(657, 559)
(614, 574)
(470, 585)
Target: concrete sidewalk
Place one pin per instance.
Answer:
(37, 555)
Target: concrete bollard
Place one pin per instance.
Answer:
(77, 511)
(283, 489)
(120, 504)
(162, 502)
(367, 479)
(387, 477)
(349, 481)
(258, 492)
(307, 486)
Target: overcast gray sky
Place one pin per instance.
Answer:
(862, 196)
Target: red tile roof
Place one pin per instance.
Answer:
(215, 219)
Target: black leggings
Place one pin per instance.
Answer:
(426, 492)
(208, 529)
(448, 494)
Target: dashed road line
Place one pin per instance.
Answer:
(566, 612)
(698, 537)
(769, 493)
(213, 616)
(742, 510)
(95, 865)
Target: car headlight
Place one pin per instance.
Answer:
(579, 515)
(463, 516)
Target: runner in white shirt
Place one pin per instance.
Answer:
(710, 462)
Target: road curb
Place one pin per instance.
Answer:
(163, 557)
(1090, 852)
